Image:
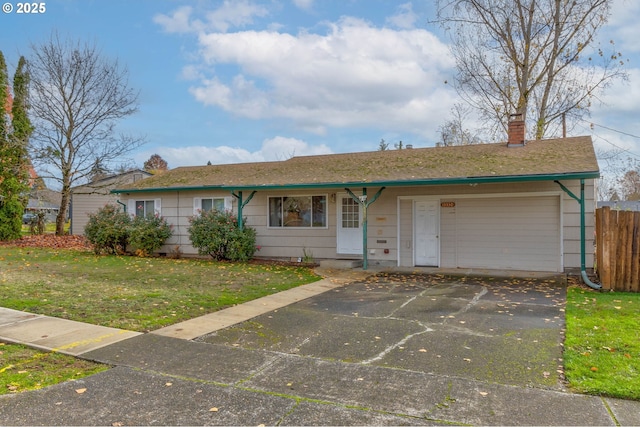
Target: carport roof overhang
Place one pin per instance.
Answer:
(385, 183)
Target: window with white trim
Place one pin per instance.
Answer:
(298, 211)
(144, 207)
(204, 204)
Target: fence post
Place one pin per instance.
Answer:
(635, 254)
(606, 248)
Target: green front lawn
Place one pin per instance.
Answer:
(137, 294)
(602, 346)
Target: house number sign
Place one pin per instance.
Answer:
(448, 204)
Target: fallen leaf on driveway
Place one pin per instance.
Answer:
(483, 393)
(467, 359)
(80, 390)
(423, 350)
(214, 409)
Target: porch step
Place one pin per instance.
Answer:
(341, 263)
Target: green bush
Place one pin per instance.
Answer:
(217, 234)
(148, 234)
(108, 230)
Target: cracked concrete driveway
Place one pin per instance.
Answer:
(505, 331)
(394, 349)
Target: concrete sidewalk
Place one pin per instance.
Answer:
(167, 378)
(76, 338)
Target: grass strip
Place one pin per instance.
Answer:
(25, 369)
(602, 344)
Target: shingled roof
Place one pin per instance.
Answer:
(565, 158)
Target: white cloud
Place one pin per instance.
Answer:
(623, 26)
(232, 13)
(303, 4)
(355, 75)
(277, 148)
(178, 22)
(405, 18)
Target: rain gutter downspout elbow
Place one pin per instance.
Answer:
(583, 268)
(124, 206)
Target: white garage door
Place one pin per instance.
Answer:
(521, 233)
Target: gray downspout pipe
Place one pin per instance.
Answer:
(583, 262)
(124, 206)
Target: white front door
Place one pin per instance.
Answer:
(425, 214)
(349, 226)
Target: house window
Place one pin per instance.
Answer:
(350, 213)
(204, 204)
(298, 211)
(145, 207)
(210, 204)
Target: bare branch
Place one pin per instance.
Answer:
(78, 96)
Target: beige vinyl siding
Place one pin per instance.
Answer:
(85, 204)
(406, 233)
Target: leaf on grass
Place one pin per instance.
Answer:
(546, 374)
(80, 390)
(627, 355)
(594, 369)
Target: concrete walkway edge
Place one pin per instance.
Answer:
(212, 322)
(55, 334)
(75, 338)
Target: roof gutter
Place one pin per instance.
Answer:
(404, 183)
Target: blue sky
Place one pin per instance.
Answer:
(253, 80)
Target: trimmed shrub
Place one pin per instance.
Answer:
(108, 230)
(148, 234)
(217, 234)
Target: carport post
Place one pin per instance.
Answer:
(362, 201)
(241, 205)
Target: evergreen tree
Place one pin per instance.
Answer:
(15, 129)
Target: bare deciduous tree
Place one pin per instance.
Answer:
(454, 130)
(78, 95)
(537, 58)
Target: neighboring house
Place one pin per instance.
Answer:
(494, 206)
(88, 198)
(621, 205)
(50, 209)
(41, 199)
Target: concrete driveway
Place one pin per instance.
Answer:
(394, 349)
(506, 331)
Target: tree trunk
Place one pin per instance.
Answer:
(62, 213)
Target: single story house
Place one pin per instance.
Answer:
(516, 205)
(88, 198)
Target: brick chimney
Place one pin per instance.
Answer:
(516, 131)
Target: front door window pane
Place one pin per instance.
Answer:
(350, 213)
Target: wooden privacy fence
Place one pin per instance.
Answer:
(618, 249)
